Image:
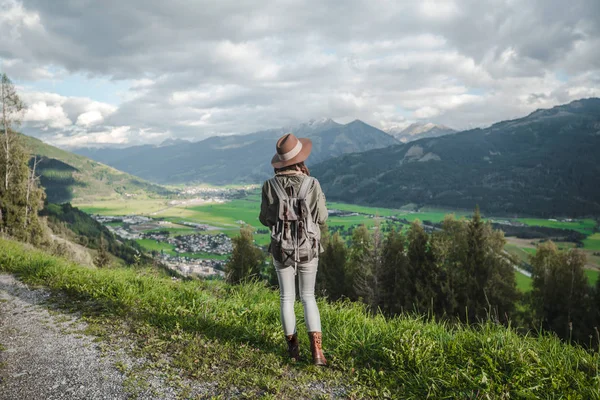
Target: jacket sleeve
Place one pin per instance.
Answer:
(319, 208)
(264, 206)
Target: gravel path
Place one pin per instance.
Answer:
(41, 359)
(44, 354)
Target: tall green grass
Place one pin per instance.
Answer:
(209, 324)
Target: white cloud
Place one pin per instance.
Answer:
(14, 17)
(53, 113)
(42, 115)
(117, 135)
(89, 118)
(438, 9)
(19, 70)
(426, 112)
(203, 68)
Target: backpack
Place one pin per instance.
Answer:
(295, 237)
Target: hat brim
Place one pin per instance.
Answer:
(303, 155)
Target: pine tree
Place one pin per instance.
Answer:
(358, 261)
(332, 267)
(476, 271)
(500, 288)
(366, 278)
(561, 294)
(246, 259)
(449, 248)
(392, 273)
(425, 286)
(477, 280)
(102, 258)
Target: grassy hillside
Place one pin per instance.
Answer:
(229, 336)
(69, 177)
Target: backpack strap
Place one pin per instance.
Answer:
(281, 194)
(305, 186)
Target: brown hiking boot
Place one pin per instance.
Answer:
(316, 348)
(293, 346)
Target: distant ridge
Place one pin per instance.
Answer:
(173, 142)
(237, 158)
(419, 130)
(544, 164)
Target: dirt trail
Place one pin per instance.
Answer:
(44, 354)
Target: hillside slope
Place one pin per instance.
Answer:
(70, 177)
(75, 226)
(229, 338)
(545, 164)
(237, 158)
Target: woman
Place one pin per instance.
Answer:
(290, 172)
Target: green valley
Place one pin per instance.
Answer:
(229, 216)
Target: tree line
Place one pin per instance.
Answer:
(459, 272)
(21, 196)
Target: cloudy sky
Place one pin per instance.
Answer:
(141, 71)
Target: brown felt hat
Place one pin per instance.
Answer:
(291, 150)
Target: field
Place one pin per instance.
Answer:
(521, 253)
(153, 245)
(593, 242)
(124, 207)
(230, 216)
(585, 226)
(382, 212)
(523, 282)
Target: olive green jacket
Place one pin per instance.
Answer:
(315, 199)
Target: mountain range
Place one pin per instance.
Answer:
(546, 164)
(236, 158)
(419, 130)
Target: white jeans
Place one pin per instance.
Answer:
(307, 274)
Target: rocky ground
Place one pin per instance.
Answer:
(46, 354)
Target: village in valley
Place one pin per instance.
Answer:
(182, 253)
(190, 248)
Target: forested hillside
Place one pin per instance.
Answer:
(78, 227)
(545, 164)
